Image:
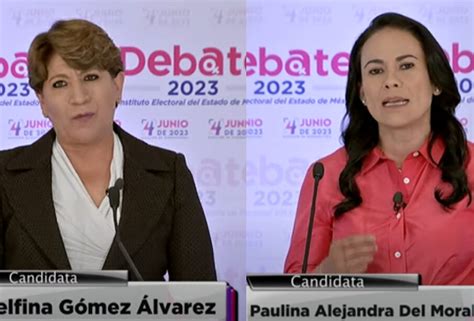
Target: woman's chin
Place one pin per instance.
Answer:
(81, 138)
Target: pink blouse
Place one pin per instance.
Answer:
(421, 238)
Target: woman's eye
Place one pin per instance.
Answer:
(407, 65)
(59, 84)
(91, 77)
(375, 71)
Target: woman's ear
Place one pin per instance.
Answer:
(44, 108)
(362, 96)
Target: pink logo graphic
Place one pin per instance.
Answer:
(290, 125)
(31, 128)
(236, 128)
(213, 61)
(165, 128)
(215, 127)
(307, 127)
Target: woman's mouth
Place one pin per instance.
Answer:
(397, 102)
(83, 116)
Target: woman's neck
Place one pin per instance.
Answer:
(398, 144)
(90, 157)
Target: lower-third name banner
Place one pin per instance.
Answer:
(135, 301)
(283, 298)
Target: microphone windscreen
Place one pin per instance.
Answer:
(398, 198)
(318, 170)
(119, 183)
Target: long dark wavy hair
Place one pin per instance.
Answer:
(361, 134)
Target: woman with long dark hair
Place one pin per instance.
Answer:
(396, 198)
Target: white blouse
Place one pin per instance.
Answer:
(87, 230)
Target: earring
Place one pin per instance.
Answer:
(363, 101)
(437, 91)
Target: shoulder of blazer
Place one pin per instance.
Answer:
(136, 151)
(145, 155)
(30, 156)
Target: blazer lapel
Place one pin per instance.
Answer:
(147, 189)
(30, 195)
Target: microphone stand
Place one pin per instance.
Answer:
(318, 172)
(114, 198)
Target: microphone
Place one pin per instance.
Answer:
(113, 193)
(398, 203)
(318, 173)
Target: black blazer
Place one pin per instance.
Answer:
(162, 222)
